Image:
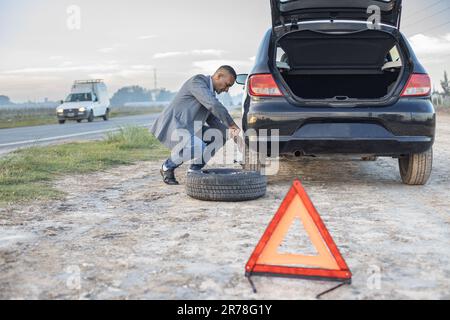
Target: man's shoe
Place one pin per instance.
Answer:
(169, 177)
(195, 168)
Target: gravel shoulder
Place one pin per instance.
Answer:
(122, 234)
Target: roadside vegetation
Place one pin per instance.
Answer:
(26, 175)
(442, 104)
(442, 99)
(24, 117)
(27, 117)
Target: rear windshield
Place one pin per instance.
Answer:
(79, 97)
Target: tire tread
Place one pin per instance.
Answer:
(416, 168)
(241, 186)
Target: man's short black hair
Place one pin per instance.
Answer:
(228, 69)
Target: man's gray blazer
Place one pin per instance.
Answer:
(195, 102)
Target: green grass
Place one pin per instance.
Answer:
(11, 118)
(7, 124)
(134, 112)
(29, 118)
(26, 175)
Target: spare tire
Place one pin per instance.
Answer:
(226, 185)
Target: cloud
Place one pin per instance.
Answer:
(106, 50)
(426, 45)
(142, 67)
(102, 71)
(168, 55)
(129, 74)
(210, 66)
(124, 72)
(152, 36)
(111, 49)
(37, 78)
(87, 68)
(212, 52)
(133, 73)
(205, 52)
(66, 63)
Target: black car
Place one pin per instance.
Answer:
(334, 82)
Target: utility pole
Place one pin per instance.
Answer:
(155, 78)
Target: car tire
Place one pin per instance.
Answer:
(416, 169)
(225, 185)
(91, 116)
(106, 116)
(79, 121)
(250, 165)
(61, 121)
(249, 160)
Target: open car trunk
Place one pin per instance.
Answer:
(363, 65)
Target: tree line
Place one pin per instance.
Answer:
(139, 94)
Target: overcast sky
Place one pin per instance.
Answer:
(42, 51)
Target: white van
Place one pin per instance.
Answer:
(87, 100)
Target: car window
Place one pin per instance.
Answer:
(79, 97)
(282, 60)
(280, 54)
(393, 60)
(395, 55)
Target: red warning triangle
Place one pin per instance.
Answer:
(267, 260)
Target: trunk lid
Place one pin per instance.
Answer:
(294, 11)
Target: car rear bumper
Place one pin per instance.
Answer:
(378, 147)
(406, 127)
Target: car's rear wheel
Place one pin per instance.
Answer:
(415, 169)
(61, 121)
(252, 159)
(79, 121)
(252, 162)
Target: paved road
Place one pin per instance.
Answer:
(12, 139)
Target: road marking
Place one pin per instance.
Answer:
(62, 137)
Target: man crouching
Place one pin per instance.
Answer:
(195, 104)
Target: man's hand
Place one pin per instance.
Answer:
(235, 135)
(234, 131)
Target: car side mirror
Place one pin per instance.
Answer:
(242, 79)
(61, 101)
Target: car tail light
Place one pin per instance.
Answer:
(264, 85)
(418, 85)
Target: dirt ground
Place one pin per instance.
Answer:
(122, 234)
